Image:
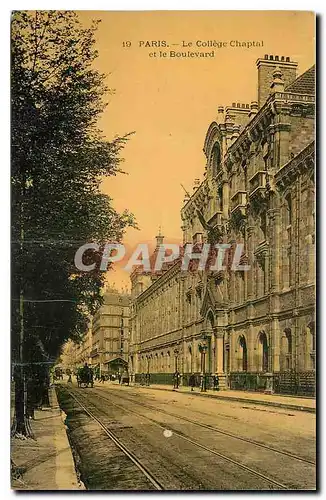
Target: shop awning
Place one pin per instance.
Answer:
(117, 361)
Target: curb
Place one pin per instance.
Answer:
(64, 459)
(275, 404)
(53, 398)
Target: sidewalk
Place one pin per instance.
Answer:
(46, 463)
(277, 400)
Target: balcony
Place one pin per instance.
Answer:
(216, 220)
(257, 183)
(239, 202)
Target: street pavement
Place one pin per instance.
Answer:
(277, 400)
(194, 443)
(46, 462)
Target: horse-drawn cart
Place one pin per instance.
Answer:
(85, 377)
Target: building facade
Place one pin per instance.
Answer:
(75, 355)
(110, 334)
(105, 345)
(254, 328)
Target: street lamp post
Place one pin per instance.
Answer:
(148, 374)
(176, 381)
(203, 350)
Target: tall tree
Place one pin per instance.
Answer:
(59, 157)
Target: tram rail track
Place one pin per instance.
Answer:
(253, 472)
(119, 444)
(210, 427)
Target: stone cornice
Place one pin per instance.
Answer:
(197, 199)
(248, 132)
(297, 165)
(262, 119)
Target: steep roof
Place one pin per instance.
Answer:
(304, 84)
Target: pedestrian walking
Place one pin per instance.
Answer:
(176, 380)
(69, 373)
(216, 383)
(192, 381)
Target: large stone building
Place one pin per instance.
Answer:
(105, 345)
(110, 333)
(249, 327)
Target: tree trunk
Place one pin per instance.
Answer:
(21, 424)
(45, 392)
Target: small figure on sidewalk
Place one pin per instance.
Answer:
(216, 383)
(192, 381)
(68, 372)
(176, 380)
(102, 378)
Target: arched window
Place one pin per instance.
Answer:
(243, 353)
(288, 208)
(264, 351)
(263, 226)
(210, 318)
(189, 359)
(313, 336)
(287, 240)
(220, 198)
(216, 159)
(287, 348)
(288, 335)
(312, 344)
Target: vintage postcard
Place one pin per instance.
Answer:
(163, 250)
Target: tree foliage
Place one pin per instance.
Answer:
(59, 158)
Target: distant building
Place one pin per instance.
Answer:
(75, 355)
(110, 334)
(253, 329)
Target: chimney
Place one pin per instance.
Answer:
(266, 68)
(278, 82)
(228, 119)
(235, 133)
(253, 108)
(220, 114)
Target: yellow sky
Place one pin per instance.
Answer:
(170, 102)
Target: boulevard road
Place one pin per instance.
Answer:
(129, 438)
